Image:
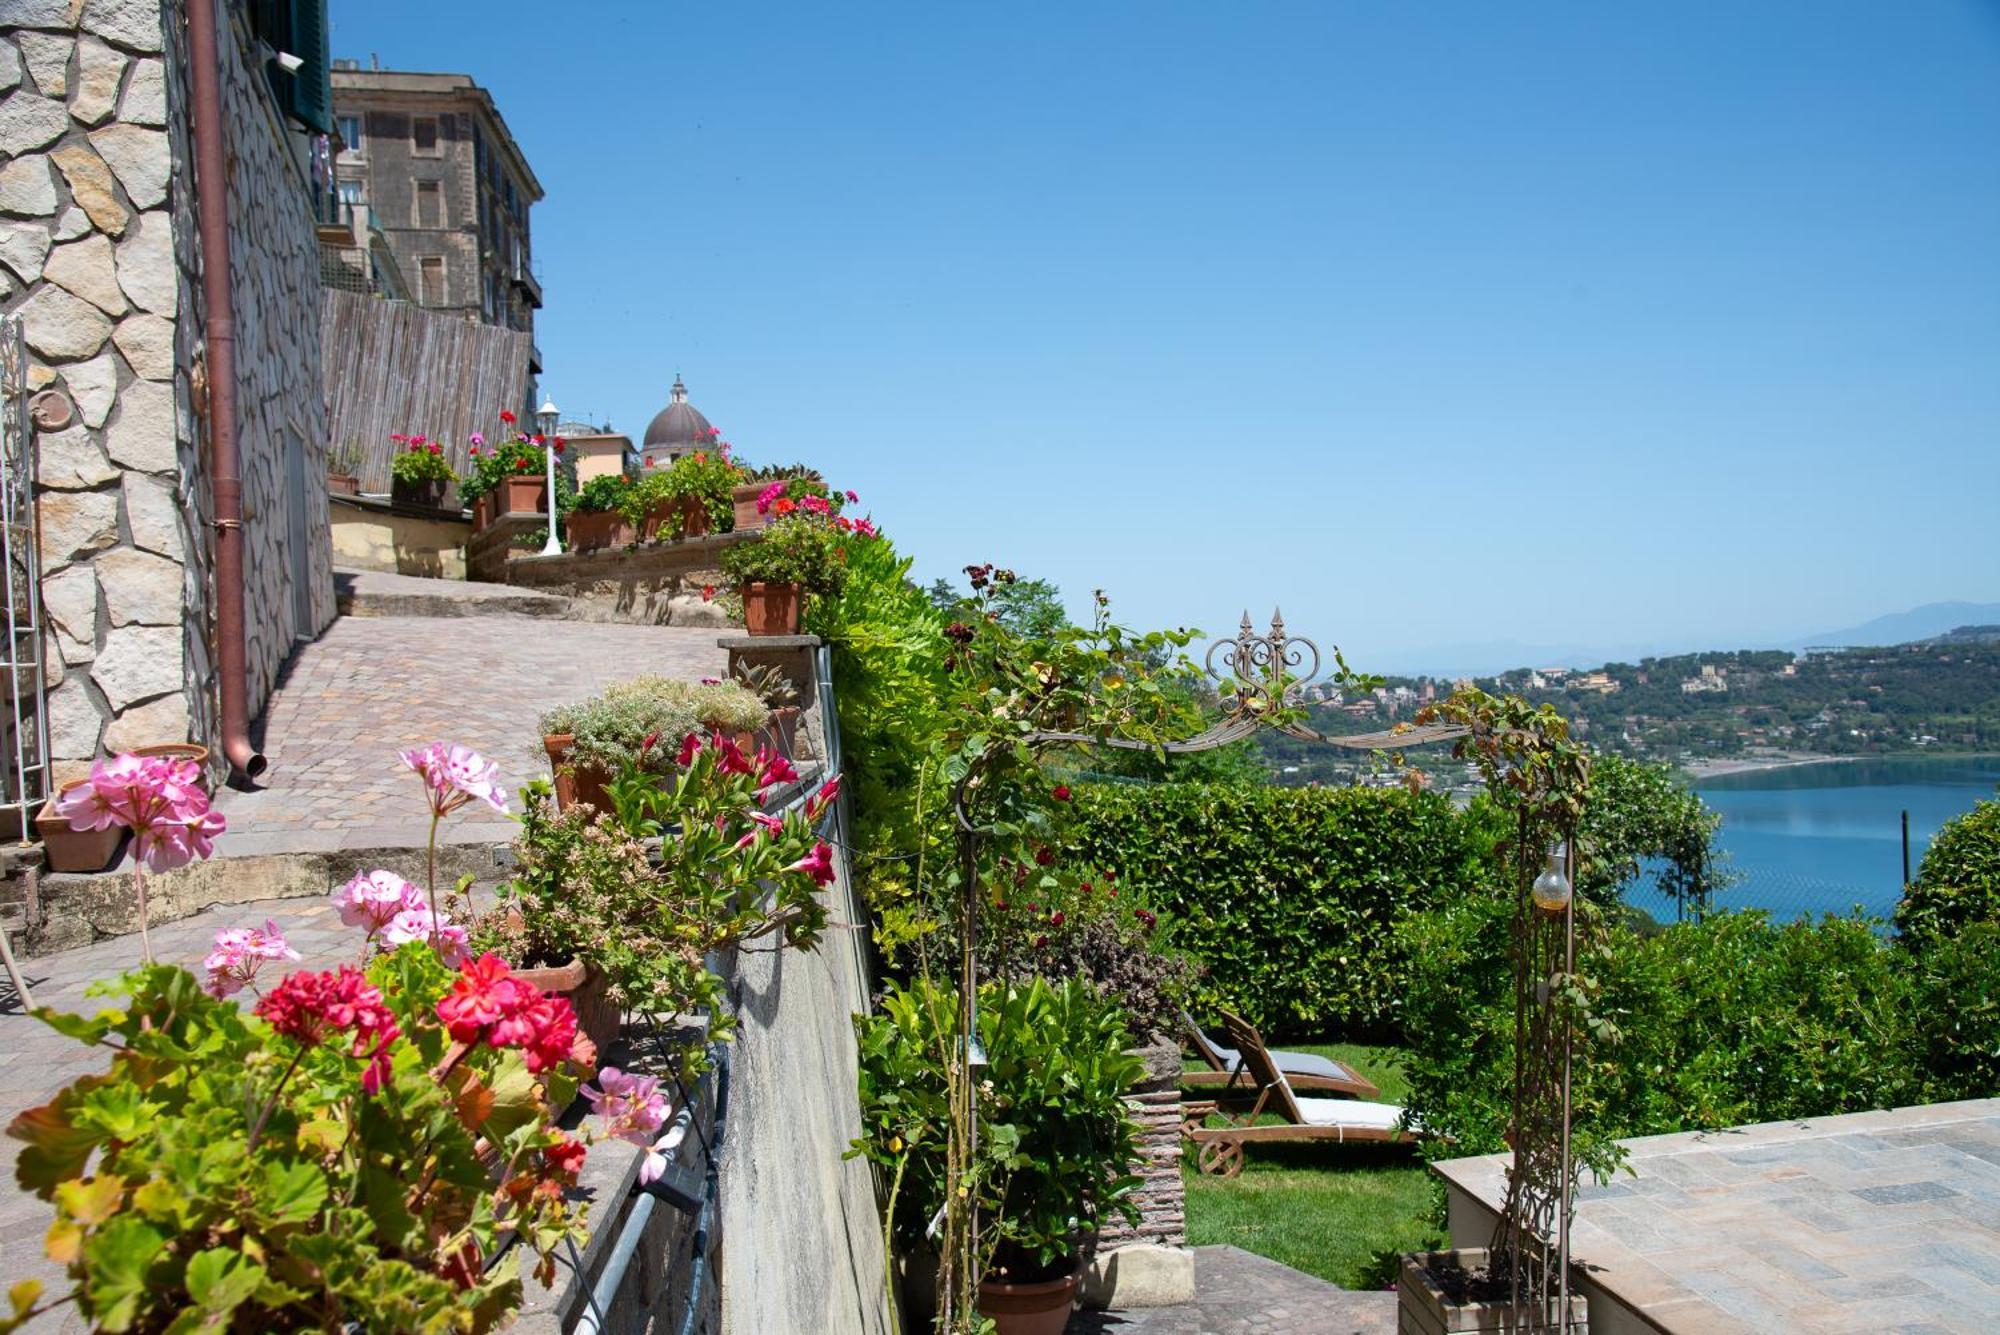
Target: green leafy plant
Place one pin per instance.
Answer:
(798, 549)
(602, 494)
(706, 477)
(337, 1156)
(1958, 882)
(419, 460)
(1056, 1141)
(611, 729)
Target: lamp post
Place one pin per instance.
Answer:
(545, 417)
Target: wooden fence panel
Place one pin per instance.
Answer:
(390, 367)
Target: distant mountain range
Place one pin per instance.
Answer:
(1487, 657)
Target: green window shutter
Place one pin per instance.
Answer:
(311, 98)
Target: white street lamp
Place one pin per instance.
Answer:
(546, 417)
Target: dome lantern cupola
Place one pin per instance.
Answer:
(677, 430)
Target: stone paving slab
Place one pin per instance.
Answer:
(1886, 1220)
(36, 1062)
(371, 686)
(1241, 1293)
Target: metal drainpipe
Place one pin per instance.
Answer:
(211, 171)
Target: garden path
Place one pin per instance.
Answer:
(374, 684)
(1241, 1293)
(36, 1061)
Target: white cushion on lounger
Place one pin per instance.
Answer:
(1294, 1063)
(1350, 1112)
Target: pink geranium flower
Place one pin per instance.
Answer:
(373, 898)
(454, 775)
(239, 952)
(417, 924)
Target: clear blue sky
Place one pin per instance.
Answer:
(1437, 324)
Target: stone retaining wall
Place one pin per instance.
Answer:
(659, 584)
(99, 258)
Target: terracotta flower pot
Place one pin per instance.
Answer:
(573, 782)
(523, 494)
(482, 513)
(194, 751)
(343, 484)
(586, 986)
(782, 730)
(593, 530)
(771, 609)
(661, 522)
(1041, 1308)
(743, 497)
(694, 517)
(428, 493)
(75, 850)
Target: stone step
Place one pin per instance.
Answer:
(373, 593)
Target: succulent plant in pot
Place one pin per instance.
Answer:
(797, 556)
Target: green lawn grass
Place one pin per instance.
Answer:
(1331, 1210)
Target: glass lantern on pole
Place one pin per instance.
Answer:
(546, 417)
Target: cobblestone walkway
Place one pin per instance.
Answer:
(1239, 1293)
(36, 1061)
(373, 685)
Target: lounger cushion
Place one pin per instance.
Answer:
(1294, 1063)
(1349, 1112)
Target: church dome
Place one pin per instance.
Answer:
(678, 427)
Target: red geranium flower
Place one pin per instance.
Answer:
(1060, 792)
(506, 416)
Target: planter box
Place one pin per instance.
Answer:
(586, 987)
(593, 530)
(771, 609)
(427, 494)
(575, 783)
(75, 850)
(343, 484)
(1433, 1298)
(524, 496)
(744, 498)
(482, 513)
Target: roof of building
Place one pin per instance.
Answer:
(680, 423)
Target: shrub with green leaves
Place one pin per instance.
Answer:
(603, 494)
(1958, 881)
(611, 729)
(1289, 896)
(1056, 1141)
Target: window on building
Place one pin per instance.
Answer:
(429, 204)
(349, 128)
(430, 275)
(351, 193)
(424, 137)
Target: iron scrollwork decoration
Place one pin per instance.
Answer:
(1266, 671)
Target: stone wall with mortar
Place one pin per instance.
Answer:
(99, 259)
(676, 583)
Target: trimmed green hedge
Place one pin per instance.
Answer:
(1290, 896)
(1958, 882)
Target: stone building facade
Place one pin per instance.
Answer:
(101, 262)
(431, 159)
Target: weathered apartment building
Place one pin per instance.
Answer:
(160, 182)
(431, 161)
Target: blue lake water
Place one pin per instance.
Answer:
(1827, 838)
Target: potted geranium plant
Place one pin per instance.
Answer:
(596, 521)
(419, 474)
(1055, 1137)
(797, 555)
(701, 483)
(590, 741)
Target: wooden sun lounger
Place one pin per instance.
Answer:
(1305, 1119)
(1307, 1072)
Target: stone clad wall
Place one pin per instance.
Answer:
(99, 259)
